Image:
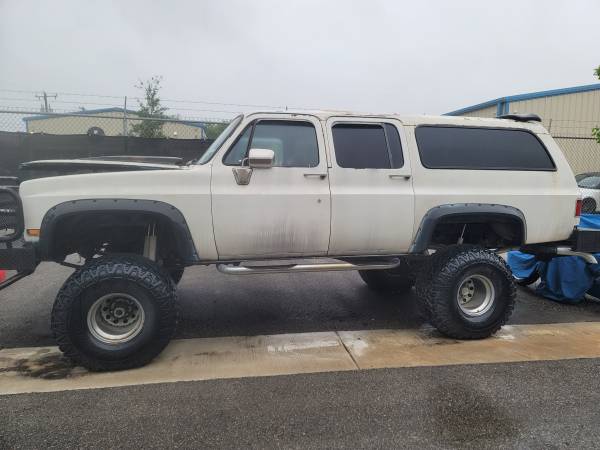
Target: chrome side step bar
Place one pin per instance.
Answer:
(319, 267)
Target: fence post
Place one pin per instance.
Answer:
(125, 117)
(125, 127)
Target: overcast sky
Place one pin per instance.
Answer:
(378, 55)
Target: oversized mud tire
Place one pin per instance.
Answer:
(117, 312)
(467, 292)
(398, 279)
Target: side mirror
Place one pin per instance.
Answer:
(261, 158)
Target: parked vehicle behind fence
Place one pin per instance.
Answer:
(589, 185)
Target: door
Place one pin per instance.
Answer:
(283, 210)
(372, 199)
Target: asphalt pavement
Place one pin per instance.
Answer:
(532, 405)
(544, 404)
(214, 304)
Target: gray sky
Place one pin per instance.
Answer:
(403, 56)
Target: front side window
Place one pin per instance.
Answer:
(456, 147)
(293, 142)
(367, 146)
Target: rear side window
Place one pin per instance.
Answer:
(367, 146)
(442, 147)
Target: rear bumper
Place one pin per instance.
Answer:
(585, 240)
(584, 243)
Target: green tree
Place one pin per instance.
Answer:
(149, 107)
(214, 129)
(596, 131)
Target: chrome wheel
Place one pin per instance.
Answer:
(115, 318)
(475, 295)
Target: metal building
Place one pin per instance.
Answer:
(569, 114)
(108, 122)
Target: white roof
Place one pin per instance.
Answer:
(416, 119)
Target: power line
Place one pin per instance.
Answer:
(81, 104)
(206, 102)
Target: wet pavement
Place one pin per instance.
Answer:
(483, 401)
(520, 405)
(44, 369)
(214, 304)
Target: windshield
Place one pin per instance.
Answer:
(216, 145)
(591, 181)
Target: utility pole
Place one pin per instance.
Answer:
(46, 107)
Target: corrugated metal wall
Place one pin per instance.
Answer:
(484, 112)
(583, 155)
(569, 118)
(564, 115)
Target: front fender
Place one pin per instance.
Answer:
(52, 218)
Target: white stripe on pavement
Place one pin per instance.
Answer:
(43, 369)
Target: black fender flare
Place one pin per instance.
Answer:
(469, 211)
(185, 243)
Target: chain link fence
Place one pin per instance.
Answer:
(577, 143)
(29, 135)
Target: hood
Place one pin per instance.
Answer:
(57, 167)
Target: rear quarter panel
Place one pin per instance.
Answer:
(547, 199)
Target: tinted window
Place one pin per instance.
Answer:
(366, 146)
(294, 143)
(394, 145)
(481, 148)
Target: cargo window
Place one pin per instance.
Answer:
(367, 146)
(455, 147)
(293, 142)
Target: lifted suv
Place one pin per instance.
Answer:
(407, 201)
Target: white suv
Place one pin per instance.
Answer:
(403, 200)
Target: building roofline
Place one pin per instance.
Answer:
(85, 111)
(529, 96)
(192, 123)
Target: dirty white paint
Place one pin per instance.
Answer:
(372, 210)
(292, 211)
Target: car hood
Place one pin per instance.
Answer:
(93, 164)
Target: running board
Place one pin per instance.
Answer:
(322, 267)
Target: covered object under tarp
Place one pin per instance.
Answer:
(564, 279)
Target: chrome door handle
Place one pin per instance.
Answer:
(322, 176)
(394, 176)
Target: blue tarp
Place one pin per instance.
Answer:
(564, 279)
